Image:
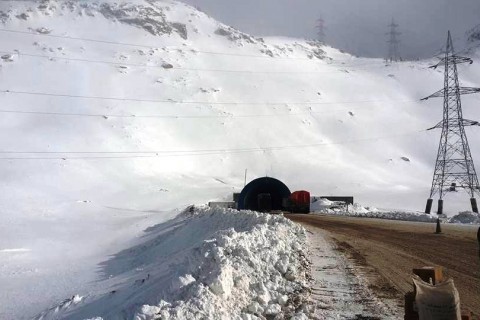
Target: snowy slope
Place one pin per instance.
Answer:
(314, 117)
(309, 93)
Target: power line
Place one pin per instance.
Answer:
(153, 47)
(181, 153)
(321, 29)
(76, 38)
(140, 65)
(133, 116)
(116, 63)
(393, 42)
(173, 116)
(147, 46)
(171, 101)
(454, 166)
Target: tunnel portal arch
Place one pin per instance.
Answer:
(259, 191)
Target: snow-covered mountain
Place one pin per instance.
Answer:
(253, 103)
(129, 111)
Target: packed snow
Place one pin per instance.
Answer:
(339, 284)
(325, 206)
(116, 114)
(465, 217)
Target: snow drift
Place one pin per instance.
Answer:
(204, 264)
(324, 206)
(465, 217)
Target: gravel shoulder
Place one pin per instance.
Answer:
(391, 249)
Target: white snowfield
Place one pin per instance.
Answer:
(114, 114)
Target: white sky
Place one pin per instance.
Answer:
(357, 26)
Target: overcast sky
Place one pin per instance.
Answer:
(356, 26)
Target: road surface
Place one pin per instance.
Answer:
(393, 248)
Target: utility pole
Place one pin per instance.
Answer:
(393, 42)
(321, 29)
(454, 166)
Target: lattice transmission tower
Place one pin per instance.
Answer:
(393, 42)
(321, 29)
(454, 167)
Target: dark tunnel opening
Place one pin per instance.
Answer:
(263, 194)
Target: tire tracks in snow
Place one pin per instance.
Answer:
(340, 290)
(393, 248)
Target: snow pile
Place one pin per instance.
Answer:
(259, 270)
(465, 217)
(392, 215)
(323, 205)
(358, 210)
(207, 264)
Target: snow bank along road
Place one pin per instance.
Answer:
(393, 248)
(203, 264)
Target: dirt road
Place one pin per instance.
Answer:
(394, 248)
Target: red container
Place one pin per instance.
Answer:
(300, 202)
(300, 197)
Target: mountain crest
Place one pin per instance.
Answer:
(148, 15)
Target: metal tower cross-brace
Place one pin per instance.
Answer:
(454, 167)
(321, 29)
(393, 42)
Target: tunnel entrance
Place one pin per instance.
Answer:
(263, 194)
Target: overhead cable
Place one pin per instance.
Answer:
(171, 101)
(161, 66)
(180, 153)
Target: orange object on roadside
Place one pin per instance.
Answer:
(300, 197)
(300, 202)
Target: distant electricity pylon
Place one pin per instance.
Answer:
(454, 167)
(321, 30)
(393, 42)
